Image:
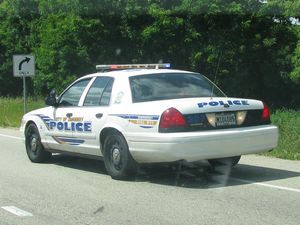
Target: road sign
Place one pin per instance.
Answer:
(23, 65)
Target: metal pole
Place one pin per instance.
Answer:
(24, 93)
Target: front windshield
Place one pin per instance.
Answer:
(172, 86)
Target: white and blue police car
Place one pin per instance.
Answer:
(147, 113)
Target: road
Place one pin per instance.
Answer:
(70, 190)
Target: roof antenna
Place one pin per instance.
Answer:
(216, 73)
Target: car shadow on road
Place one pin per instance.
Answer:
(199, 175)
(74, 162)
(203, 176)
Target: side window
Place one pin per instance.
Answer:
(105, 99)
(99, 93)
(72, 96)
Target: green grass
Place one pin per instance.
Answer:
(288, 121)
(12, 110)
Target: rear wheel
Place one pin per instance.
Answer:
(231, 161)
(34, 148)
(117, 159)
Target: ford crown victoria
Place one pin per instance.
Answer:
(135, 114)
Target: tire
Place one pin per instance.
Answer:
(34, 148)
(117, 159)
(232, 161)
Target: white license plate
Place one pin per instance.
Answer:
(225, 119)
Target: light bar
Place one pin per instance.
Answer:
(104, 68)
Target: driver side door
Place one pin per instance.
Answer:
(62, 124)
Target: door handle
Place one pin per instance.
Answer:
(69, 115)
(99, 115)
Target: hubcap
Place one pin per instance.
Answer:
(33, 144)
(116, 156)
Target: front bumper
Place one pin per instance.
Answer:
(195, 146)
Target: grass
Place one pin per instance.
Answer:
(288, 121)
(12, 110)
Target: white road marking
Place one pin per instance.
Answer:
(9, 136)
(266, 185)
(16, 211)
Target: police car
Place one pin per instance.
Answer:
(147, 113)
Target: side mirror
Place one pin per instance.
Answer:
(51, 99)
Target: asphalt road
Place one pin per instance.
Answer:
(70, 190)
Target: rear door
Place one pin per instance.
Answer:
(94, 109)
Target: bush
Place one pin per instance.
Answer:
(288, 122)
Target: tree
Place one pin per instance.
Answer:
(16, 28)
(249, 48)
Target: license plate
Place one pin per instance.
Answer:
(225, 119)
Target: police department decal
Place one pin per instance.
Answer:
(67, 124)
(223, 103)
(143, 121)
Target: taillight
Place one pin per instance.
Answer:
(265, 116)
(171, 121)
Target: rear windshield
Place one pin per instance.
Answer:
(171, 86)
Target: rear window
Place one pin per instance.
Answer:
(171, 86)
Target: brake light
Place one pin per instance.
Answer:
(172, 118)
(265, 116)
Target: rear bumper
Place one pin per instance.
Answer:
(195, 146)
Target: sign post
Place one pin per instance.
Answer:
(24, 94)
(24, 66)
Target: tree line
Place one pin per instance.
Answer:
(250, 48)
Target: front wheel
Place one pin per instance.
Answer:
(231, 161)
(34, 148)
(117, 159)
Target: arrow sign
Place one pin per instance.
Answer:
(24, 60)
(23, 65)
